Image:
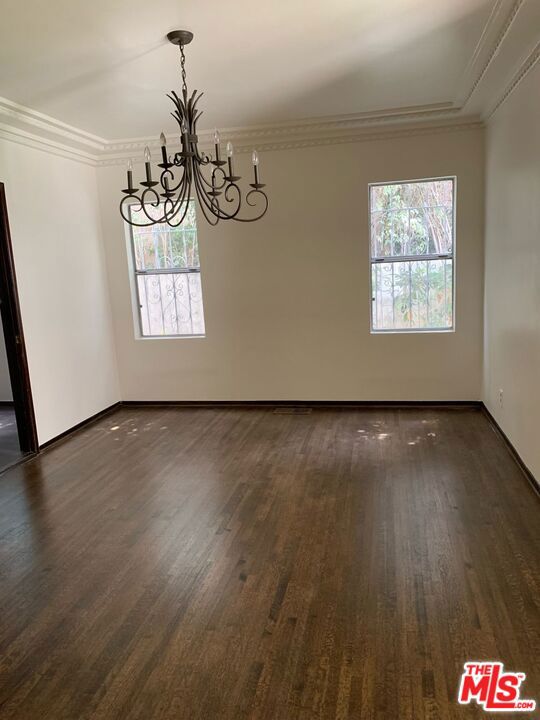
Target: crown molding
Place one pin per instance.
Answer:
(39, 142)
(525, 67)
(309, 131)
(29, 127)
(33, 129)
(277, 138)
(493, 36)
(21, 116)
(327, 124)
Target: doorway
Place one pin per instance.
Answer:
(18, 433)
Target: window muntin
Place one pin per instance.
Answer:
(167, 272)
(412, 255)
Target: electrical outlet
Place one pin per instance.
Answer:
(501, 397)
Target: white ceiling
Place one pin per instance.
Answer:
(104, 66)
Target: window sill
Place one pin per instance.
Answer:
(414, 331)
(170, 337)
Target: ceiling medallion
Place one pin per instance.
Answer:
(190, 172)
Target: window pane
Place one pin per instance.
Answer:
(412, 218)
(412, 226)
(412, 295)
(162, 247)
(171, 304)
(419, 235)
(167, 273)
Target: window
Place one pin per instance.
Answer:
(412, 255)
(167, 277)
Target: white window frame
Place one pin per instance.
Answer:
(135, 298)
(377, 261)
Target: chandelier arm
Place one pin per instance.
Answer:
(124, 203)
(182, 217)
(179, 160)
(181, 202)
(168, 205)
(252, 204)
(210, 204)
(223, 178)
(212, 183)
(172, 205)
(169, 171)
(180, 220)
(176, 204)
(213, 204)
(151, 221)
(213, 218)
(208, 183)
(155, 204)
(226, 195)
(141, 204)
(207, 207)
(203, 158)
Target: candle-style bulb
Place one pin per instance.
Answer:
(163, 139)
(147, 155)
(183, 127)
(230, 149)
(217, 137)
(255, 158)
(129, 176)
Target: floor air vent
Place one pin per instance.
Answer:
(292, 410)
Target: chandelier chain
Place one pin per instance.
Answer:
(183, 64)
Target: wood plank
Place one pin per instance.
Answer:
(231, 563)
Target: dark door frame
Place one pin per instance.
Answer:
(14, 337)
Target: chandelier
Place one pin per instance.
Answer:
(190, 172)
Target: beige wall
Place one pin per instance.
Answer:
(512, 275)
(287, 299)
(56, 234)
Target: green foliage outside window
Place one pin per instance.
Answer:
(413, 221)
(161, 247)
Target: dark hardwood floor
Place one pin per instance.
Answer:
(229, 564)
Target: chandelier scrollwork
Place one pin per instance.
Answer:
(190, 172)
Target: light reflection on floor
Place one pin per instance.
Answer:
(375, 433)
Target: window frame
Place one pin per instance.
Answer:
(133, 280)
(451, 256)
